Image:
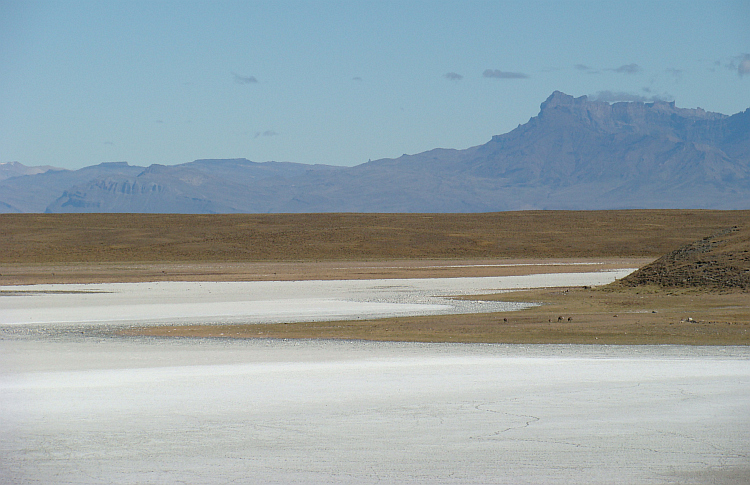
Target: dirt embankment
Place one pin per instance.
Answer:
(720, 262)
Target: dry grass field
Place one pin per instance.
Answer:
(135, 247)
(69, 238)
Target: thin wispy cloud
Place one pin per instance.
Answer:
(497, 74)
(586, 68)
(676, 73)
(619, 96)
(453, 76)
(239, 79)
(266, 133)
(357, 79)
(628, 69)
(741, 64)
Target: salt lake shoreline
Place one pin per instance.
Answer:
(84, 403)
(379, 324)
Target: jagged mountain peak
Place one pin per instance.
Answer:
(558, 98)
(564, 112)
(559, 101)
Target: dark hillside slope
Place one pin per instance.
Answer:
(717, 262)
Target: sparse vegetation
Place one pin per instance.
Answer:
(133, 238)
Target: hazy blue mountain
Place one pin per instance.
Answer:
(33, 193)
(576, 154)
(15, 169)
(202, 186)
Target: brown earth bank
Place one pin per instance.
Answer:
(137, 247)
(719, 262)
(567, 315)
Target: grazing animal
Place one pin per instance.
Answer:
(505, 320)
(570, 319)
(559, 319)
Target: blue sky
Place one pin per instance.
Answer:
(339, 82)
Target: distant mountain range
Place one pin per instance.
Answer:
(15, 169)
(576, 154)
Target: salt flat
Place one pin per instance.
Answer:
(117, 410)
(81, 405)
(266, 301)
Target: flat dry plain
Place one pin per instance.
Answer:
(87, 248)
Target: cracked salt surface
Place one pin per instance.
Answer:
(140, 410)
(89, 407)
